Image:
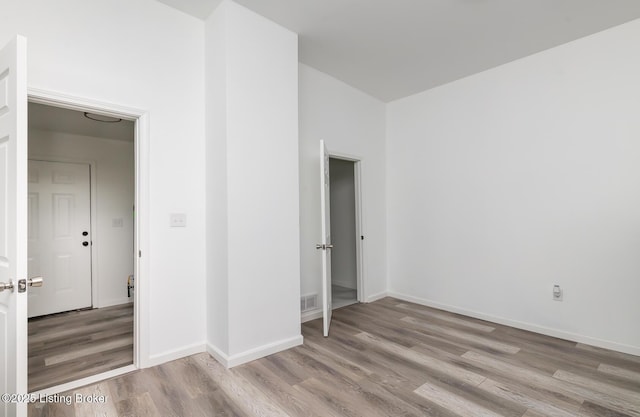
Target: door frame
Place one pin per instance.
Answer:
(141, 221)
(92, 210)
(357, 178)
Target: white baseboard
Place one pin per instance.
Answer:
(114, 302)
(218, 354)
(253, 354)
(172, 355)
(574, 337)
(68, 386)
(311, 315)
(376, 297)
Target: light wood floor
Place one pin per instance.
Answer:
(388, 358)
(68, 346)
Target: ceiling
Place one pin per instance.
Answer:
(55, 119)
(395, 48)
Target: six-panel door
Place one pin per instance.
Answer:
(59, 207)
(13, 227)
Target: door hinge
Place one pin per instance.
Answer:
(139, 254)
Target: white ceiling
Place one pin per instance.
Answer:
(55, 119)
(198, 8)
(395, 48)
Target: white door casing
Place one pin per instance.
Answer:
(142, 356)
(13, 224)
(325, 214)
(59, 213)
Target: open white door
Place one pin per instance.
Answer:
(13, 226)
(326, 245)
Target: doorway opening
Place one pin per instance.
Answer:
(82, 239)
(344, 201)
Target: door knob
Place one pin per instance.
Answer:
(31, 282)
(85, 243)
(35, 282)
(323, 246)
(85, 233)
(6, 286)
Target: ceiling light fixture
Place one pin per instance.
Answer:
(101, 118)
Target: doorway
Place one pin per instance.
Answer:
(348, 209)
(81, 238)
(345, 231)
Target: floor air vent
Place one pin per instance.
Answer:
(308, 302)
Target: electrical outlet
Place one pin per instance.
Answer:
(557, 293)
(178, 220)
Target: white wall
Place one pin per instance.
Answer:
(113, 171)
(142, 54)
(350, 122)
(524, 176)
(342, 200)
(216, 181)
(252, 118)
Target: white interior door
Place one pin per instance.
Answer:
(59, 208)
(326, 245)
(13, 224)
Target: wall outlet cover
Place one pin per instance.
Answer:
(178, 220)
(557, 293)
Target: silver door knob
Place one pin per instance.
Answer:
(35, 282)
(323, 246)
(6, 286)
(31, 282)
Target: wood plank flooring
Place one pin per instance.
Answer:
(68, 346)
(388, 358)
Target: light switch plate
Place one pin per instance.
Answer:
(117, 222)
(178, 220)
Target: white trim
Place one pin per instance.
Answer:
(376, 297)
(172, 355)
(84, 381)
(218, 354)
(311, 315)
(116, 302)
(253, 354)
(344, 156)
(142, 295)
(66, 101)
(357, 178)
(141, 335)
(548, 331)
